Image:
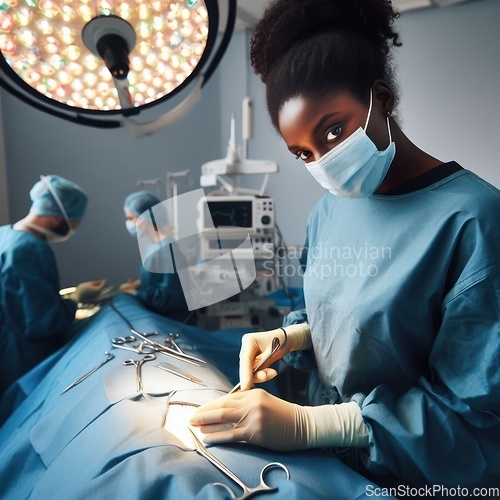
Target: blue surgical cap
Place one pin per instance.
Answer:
(140, 201)
(72, 197)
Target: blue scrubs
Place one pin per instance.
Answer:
(33, 316)
(403, 299)
(162, 292)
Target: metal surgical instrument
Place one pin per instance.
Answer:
(248, 491)
(168, 351)
(170, 342)
(81, 379)
(276, 345)
(123, 340)
(144, 334)
(141, 348)
(138, 367)
(184, 375)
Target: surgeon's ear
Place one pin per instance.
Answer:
(383, 97)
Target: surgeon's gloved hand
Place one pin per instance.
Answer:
(88, 290)
(259, 418)
(130, 286)
(256, 346)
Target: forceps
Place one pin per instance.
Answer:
(170, 342)
(184, 375)
(248, 491)
(81, 379)
(276, 345)
(141, 348)
(138, 368)
(168, 351)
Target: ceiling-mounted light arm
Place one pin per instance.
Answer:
(124, 96)
(112, 39)
(114, 51)
(183, 108)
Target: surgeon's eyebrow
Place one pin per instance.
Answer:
(318, 125)
(323, 120)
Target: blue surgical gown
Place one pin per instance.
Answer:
(33, 317)
(162, 292)
(402, 296)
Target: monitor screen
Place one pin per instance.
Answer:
(231, 213)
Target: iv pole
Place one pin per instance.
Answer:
(172, 190)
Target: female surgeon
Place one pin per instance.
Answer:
(159, 291)
(33, 316)
(403, 329)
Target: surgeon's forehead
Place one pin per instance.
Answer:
(292, 109)
(129, 213)
(305, 111)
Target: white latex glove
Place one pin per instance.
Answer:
(130, 286)
(89, 290)
(259, 418)
(255, 346)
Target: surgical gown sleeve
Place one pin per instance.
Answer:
(32, 304)
(455, 411)
(162, 291)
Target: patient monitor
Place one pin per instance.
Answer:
(224, 221)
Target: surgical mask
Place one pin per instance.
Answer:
(355, 168)
(52, 236)
(131, 228)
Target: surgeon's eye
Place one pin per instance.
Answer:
(333, 133)
(303, 155)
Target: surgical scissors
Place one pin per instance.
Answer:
(168, 351)
(81, 379)
(141, 348)
(276, 345)
(123, 340)
(138, 368)
(248, 491)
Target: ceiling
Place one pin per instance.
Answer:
(250, 11)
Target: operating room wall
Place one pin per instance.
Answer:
(449, 72)
(108, 164)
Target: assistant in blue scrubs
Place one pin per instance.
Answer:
(33, 316)
(159, 291)
(402, 282)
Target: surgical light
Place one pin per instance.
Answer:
(87, 59)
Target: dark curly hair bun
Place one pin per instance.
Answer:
(310, 47)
